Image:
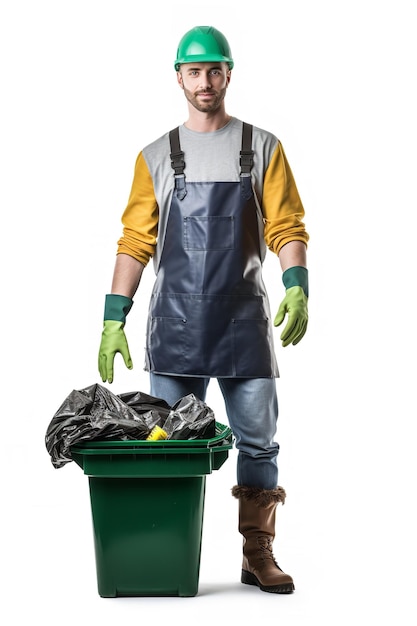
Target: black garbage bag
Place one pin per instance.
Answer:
(190, 418)
(142, 403)
(95, 413)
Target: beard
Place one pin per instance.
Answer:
(205, 107)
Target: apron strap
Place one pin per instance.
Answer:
(246, 153)
(246, 161)
(177, 163)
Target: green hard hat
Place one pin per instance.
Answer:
(201, 44)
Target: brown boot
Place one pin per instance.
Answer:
(257, 525)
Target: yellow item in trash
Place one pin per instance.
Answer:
(157, 433)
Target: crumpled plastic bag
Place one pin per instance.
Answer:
(190, 418)
(95, 413)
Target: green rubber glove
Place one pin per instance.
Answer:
(113, 338)
(294, 305)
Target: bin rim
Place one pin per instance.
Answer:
(224, 438)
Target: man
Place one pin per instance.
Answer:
(207, 200)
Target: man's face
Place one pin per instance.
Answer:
(204, 84)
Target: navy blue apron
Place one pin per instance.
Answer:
(209, 312)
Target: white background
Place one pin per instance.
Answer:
(84, 86)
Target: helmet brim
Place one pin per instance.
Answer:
(202, 58)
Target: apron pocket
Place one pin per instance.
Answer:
(252, 348)
(166, 344)
(208, 233)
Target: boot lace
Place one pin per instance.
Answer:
(265, 545)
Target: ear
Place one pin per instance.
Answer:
(179, 80)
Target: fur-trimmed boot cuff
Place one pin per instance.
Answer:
(260, 497)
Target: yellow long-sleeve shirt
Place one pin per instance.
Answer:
(211, 157)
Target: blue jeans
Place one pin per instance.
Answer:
(252, 410)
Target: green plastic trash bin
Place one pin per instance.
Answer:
(147, 503)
